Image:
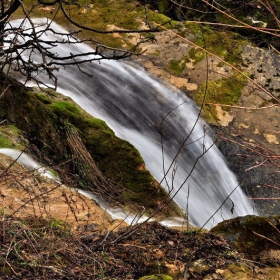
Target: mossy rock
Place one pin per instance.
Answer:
(163, 6)
(225, 44)
(156, 277)
(251, 235)
(102, 15)
(236, 271)
(12, 137)
(254, 14)
(197, 55)
(221, 91)
(45, 118)
(177, 66)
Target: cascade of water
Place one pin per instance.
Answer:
(134, 105)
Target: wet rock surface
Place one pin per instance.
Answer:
(250, 138)
(264, 68)
(258, 179)
(253, 150)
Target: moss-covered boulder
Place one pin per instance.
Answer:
(256, 237)
(46, 119)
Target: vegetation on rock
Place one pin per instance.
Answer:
(225, 91)
(252, 235)
(227, 15)
(117, 159)
(156, 277)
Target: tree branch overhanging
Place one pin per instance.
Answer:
(18, 44)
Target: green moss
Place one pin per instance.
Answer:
(163, 6)
(225, 44)
(64, 108)
(122, 14)
(249, 234)
(222, 91)
(67, 111)
(193, 232)
(161, 19)
(193, 28)
(103, 15)
(46, 125)
(100, 125)
(237, 271)
(5, 143)
(116, 158)
(197, 55)
(43, 98)
(11, 137)
(178, 66)
(121, 162)
(156, 277)
(53, 172)
(150, 36)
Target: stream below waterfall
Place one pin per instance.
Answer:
(163, 124)
(116, 213)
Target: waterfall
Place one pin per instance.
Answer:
(159, 121)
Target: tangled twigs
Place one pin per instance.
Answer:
(87, 167)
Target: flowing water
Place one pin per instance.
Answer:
(159, 121)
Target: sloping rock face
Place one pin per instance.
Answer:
(261, 119)
(254, 151)
(263, 66)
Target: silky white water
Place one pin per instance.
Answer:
(134, 105)
(28, 162)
